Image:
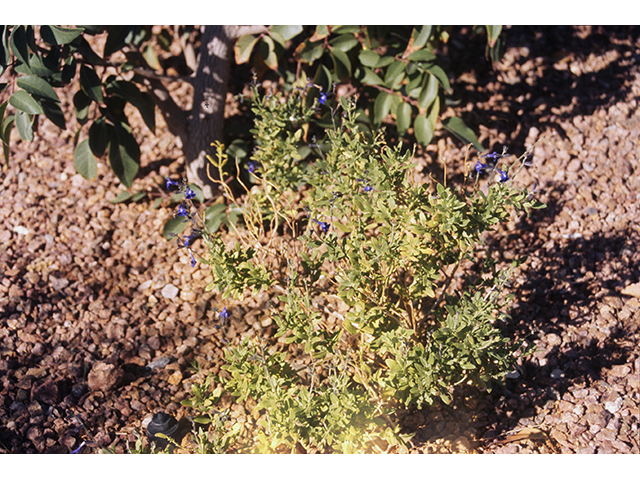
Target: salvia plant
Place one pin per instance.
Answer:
(384, 296)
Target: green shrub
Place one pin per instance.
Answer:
(386, 301)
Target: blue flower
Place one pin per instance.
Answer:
(492, 156)
(193, 259)
(324, 226)
(252, 166)
(503, 176)
(368, 188)
(322, 99)
(224, 314)
(480, 166)
(183, 211)
(171, 183)
(77, 450)
(189, 194)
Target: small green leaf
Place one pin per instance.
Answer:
(268, 54)
(403, 117)
(381, 107)
(24, 125)
(122, 197)
(124, 154)
(341, 63)
(21, 100)
(286, 31)
(371, 78)
(421, 56)
(81, 105)
(85, 163)
(344, 42)
(395, 70)
(54, 113)
(368, 58)
(441, 76)
(90, 83)
(98, 137)
(37, 86)
(55, 35)
(457, 126)
(243, 48)
(19, 44)
(493, 32)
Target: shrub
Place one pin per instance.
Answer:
(386, 297)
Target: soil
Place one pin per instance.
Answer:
(101, 318)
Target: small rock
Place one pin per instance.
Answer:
(620, 371)
(614, 406)
(46, 392)
(104, 377)
(632, 290)
(553, 340)
(175, 378)
(169, 291)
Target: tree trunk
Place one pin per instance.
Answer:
(205, 122)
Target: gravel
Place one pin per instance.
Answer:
(101, 319)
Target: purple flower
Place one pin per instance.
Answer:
(183, 211)
(492, 156)
(503, 176)
(193, 259)
(480, 166)
(77, 450)
(252, 166)
(368, 188)
(322, 99)
(189, 194)
(224, 314)
(171, 183)
(324, 226)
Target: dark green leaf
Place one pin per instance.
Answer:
(81, 105)
(341, 63)
(54, 113)
(308, 51)
(90, 83)
(54, 35)
(84, 161)
(122, 197)
(118, 37)
(394, 75)
(19, 44)
(37, 86)
(340, 29)
(268, 54)
(243, 48)
(371, 78)
(142, 101)
(5, 133)
(81, 46)
(21, 100)
(99, 137)
(124, 154)
(403, 117)
(457, 126)
(24, 125)
(287, 32)
(215, 215)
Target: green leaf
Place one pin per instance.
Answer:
(421, 56)
(456, 126)
(286, 31)
(7, 125)
(19, 44)
(122, 197)
(81, 105)
(21, 100)
(371, 78)
(24, 125)
(174, 226)
(341, 63)
(118, 37)
(309, 51)
(429, 91)
(124, 154)
(141, 100)
(322, 31)
(90, 83)
(403, 117)
(149, 54)
(99, 136)
(54, 113)
(441, 76)
(344, 42)
(243, 48)
(423, 130)
(395, 70)
(84, 161)
(381, 107)
(54, 35)
(268, 54)
(37, 86)
(368, 58)
(493, 32)
(419, 37)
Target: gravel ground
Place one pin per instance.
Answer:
(101, 318)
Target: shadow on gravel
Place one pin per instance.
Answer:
(546, 89)
(559, 303)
